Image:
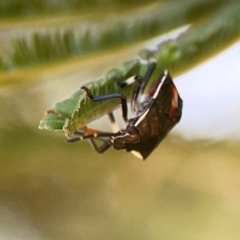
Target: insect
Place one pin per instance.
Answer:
(154, 116)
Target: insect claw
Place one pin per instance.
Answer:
(88, 92)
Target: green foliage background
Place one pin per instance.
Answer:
(51, 190)
(216, 24)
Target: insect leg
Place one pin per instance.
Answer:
(141, 83)
(110, 96)
(113, 122)
(148, 75)
(135, 79)
(100, 149)
(106, 142)
(95, 135)
(135, 94)
(140, 86)
(92, 141)
(87, 133)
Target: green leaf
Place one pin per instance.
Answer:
(78, 110)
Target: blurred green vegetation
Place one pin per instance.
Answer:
(16, 8)
(204, 39)
(214, 23)
(2, 64)
(53, 190)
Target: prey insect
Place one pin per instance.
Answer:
(154, 116)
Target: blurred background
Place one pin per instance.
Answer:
(189, 188)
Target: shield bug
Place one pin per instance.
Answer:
(155, 114)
